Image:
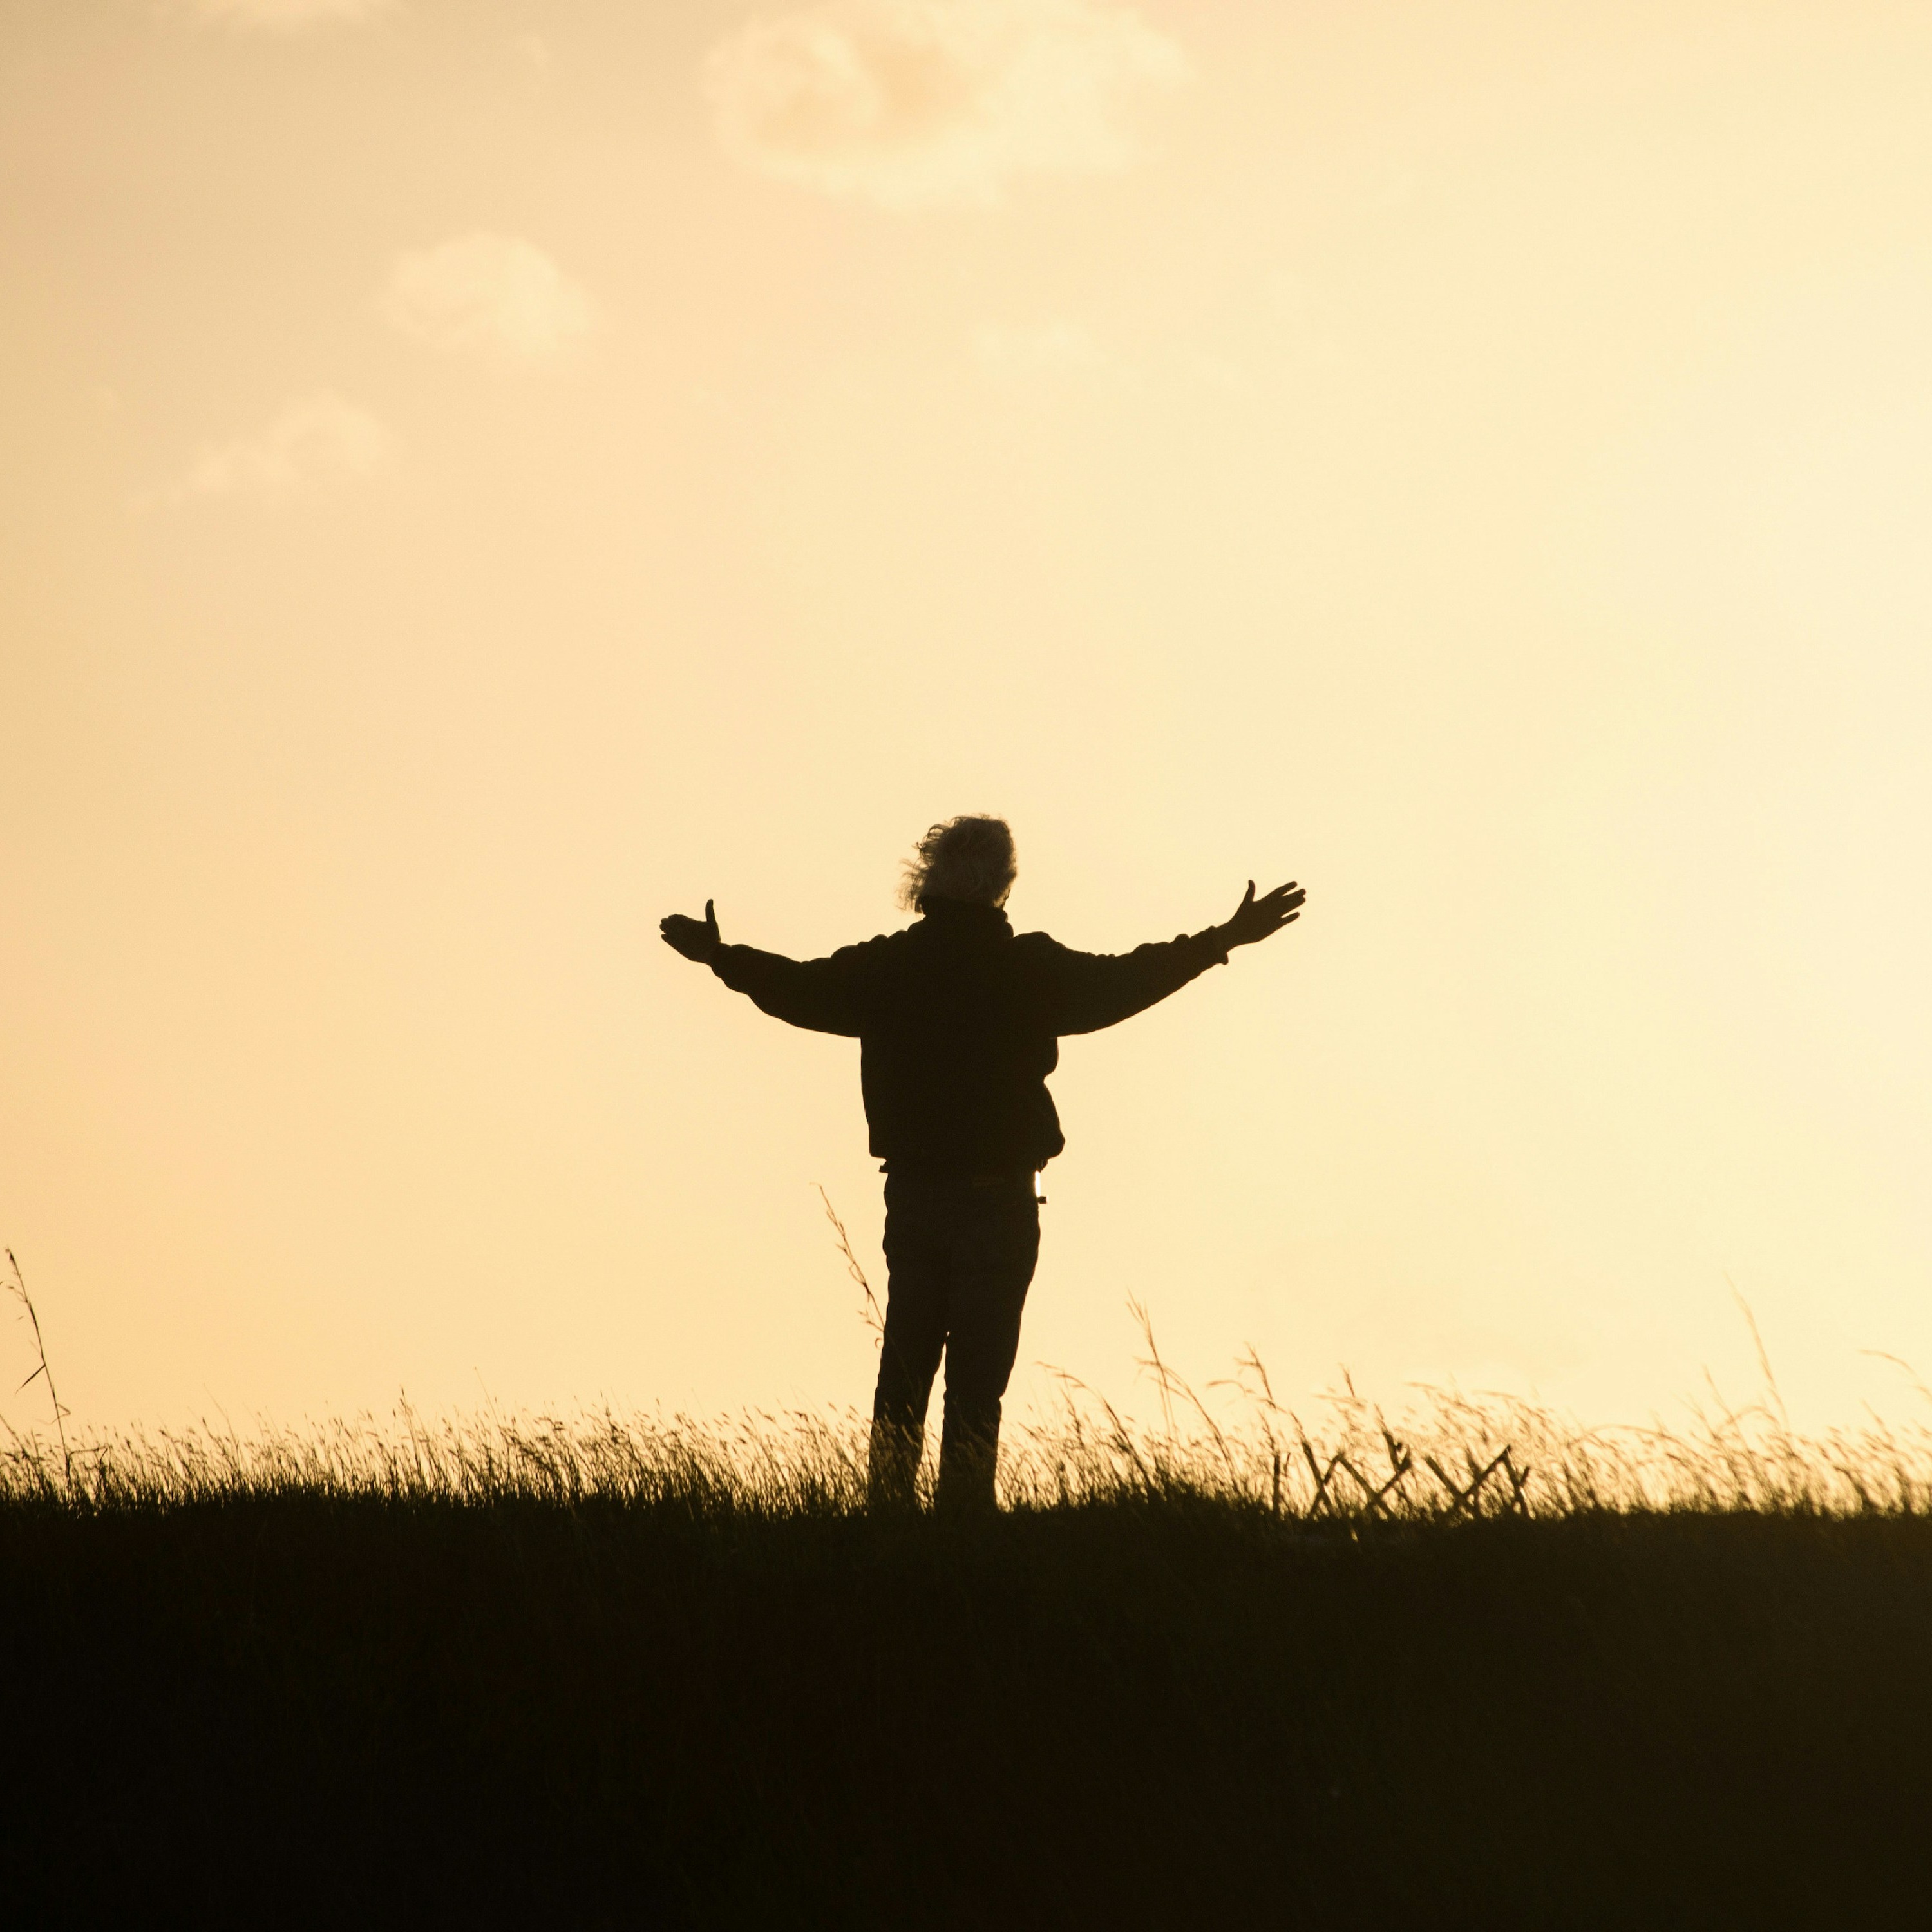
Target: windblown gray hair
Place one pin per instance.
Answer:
(971, 859)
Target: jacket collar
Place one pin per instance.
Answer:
(962, 916)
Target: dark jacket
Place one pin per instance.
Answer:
(958, 1021)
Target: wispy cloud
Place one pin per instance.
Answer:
(286, 15)
(312, 442)
(919, 102)
(491, 296)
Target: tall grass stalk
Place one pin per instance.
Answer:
(17, 1288)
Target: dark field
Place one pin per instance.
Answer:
(281, 1701)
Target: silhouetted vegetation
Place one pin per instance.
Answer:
(641, 1672)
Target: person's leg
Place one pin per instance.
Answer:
(916, 1259)
(994, 1254)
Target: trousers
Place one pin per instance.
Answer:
(960, 1255)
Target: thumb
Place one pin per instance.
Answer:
(710, 917)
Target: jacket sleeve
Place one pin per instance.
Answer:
(824, 995)
(1087, 991)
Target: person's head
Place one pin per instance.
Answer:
(970, 859)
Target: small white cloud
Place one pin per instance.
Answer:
(286, 15)
(488, 295)
(919, 102)
(313, 441)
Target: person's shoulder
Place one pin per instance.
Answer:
(1037, 945)
(882, 946)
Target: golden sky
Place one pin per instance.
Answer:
(480, 475)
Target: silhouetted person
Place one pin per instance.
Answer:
(959, 1021)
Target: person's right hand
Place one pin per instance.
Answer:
(695, 938)
(1258, 918)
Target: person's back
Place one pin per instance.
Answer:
(955, 1047)
(959, 1021)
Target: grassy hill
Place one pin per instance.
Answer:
(632, 1674)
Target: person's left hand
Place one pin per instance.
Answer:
(1255, 920)
(695, 938)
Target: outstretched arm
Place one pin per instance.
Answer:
(823, 995)
(1096, 990)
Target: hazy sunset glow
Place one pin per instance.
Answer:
(481, 477)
